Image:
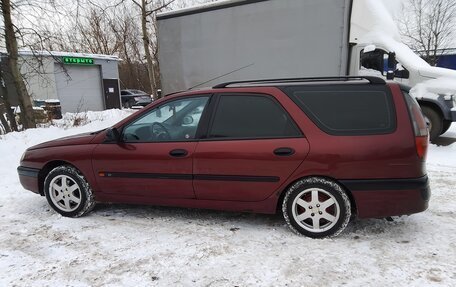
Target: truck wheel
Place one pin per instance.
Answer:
(434, 122)
(446, 125)
(316, 207)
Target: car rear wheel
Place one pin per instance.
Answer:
(316, 207)
(67, 192)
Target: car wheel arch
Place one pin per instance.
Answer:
(282, 193)
(432, 105)
(44, 171)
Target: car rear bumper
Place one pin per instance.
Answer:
(389, 197)
(29, 178)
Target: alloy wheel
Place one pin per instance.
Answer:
(65, 193)
(315, 210)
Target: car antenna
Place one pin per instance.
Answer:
(218, 77)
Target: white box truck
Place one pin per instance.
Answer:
(262, 39)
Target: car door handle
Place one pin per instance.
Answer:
(178, 153)
(284, 151)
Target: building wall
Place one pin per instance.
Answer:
(39, 77)
(109, 68)
(42, 72)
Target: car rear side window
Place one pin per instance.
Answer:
(251, 116)
(347, 109)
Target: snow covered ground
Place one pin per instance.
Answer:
(124, 245)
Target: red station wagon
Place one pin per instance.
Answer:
(321, 150)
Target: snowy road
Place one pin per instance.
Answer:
(123, 245)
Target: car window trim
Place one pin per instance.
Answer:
(216, 103)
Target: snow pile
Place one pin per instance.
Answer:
(444, 156)
(369, 72)
(13, 144)
(434, 87)
(125, 245)
(372, 22)
(374, 16)
(79, 119)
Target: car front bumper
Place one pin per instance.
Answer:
(29, 178)
(389, 197)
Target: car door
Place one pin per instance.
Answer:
(154, 155)
(252, 147)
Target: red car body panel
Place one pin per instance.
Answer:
(254, 158)
(144, 158)
(245, 175)
(379, 203)
(79, 139)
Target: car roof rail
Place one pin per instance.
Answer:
(371, 79)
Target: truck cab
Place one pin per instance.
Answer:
(376, 49)
(438, 108)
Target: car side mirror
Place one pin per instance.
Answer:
(112, 135)
(392, 61)
(403, 74)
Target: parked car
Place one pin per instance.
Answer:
(131, 98)
(319, 150)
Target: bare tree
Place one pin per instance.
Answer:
(148, 9)
(25, 102)
(94, 27)
(5, 107)
(429, 26)
(96, 34)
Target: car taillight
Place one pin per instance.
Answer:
(421, 146)
(419, 126)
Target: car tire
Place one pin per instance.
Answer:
(434, 122)
(316, 207)
(446, 126)
(68, 192)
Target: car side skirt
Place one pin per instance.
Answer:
(267, 206)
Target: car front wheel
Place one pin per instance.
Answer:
(67, 192)
(316, 207)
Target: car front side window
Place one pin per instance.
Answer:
(173, 121)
